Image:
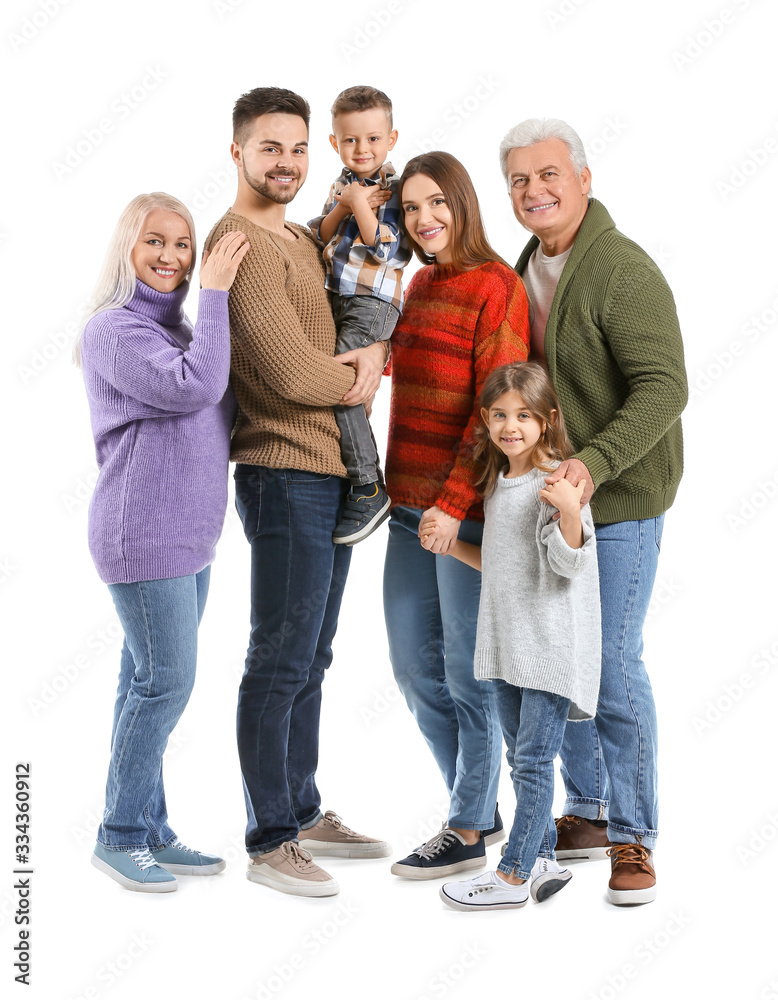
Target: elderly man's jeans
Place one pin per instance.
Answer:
(160, 619)
(297, 581)
(431, 609)
(609, 765)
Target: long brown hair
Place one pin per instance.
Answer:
(532, 383)
(470, 248)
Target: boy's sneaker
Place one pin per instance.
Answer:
(547, 878)
(445, 854)
(633, 879)
(495, 833)
(484, 892)
(179, 859)
(578, 838)
(290, 868)
(361, 516)
(331, 837)
(136, 870)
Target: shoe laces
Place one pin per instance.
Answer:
(297, 855)
(629, 854)
(334, 820)
(567, 822)
(438, 843)
(143, 858)
(182, 847)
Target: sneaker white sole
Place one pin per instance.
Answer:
(368, 529)
(546, 885)
(424, 874)
(293, 886)
(131, 884)
(631, 897)
(326, 848)
(456, 904)
(217, 866)
(584, 854)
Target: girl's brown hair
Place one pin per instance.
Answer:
(469, 246)
(532, 383)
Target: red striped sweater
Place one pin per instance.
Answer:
(456, 327)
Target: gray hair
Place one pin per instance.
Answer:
(116, 284)
(534, 130)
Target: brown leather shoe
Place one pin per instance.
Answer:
(580, 838)
(633, 879)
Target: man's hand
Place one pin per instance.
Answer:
(438, 531)
(573, 471)
(369, 364)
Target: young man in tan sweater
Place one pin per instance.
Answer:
(290, 486)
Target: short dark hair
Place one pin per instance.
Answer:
(265, 101)
(361, 99)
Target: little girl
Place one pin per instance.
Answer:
(538, 623)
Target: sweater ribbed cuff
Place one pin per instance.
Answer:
(596, 463)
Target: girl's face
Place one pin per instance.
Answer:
(427, 217)
(163, 254)
(513, 429)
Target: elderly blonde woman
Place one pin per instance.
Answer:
(161, 414)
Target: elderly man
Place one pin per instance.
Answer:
(604, 323)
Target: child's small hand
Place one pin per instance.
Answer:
(351, 194)
(564, 496)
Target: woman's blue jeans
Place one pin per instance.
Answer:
(609, 765)
(160, 619)
(533, 725)
(431, 610)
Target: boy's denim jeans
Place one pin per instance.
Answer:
(609, 765)
(160, 619)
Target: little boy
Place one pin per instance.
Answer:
(365, 250)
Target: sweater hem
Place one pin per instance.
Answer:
(612, 509)
(526, 672)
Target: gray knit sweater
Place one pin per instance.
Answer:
(539, 617)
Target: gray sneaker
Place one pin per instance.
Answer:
(290, 868)
(331, 837)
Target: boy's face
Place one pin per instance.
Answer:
(362, 139)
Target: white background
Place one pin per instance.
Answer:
(672, 100)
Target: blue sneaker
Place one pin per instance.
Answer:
(179, 859)
(445, 854)
(495, 833)
(361, 516)
(136, 870)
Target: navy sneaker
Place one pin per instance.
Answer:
(445, 854)
(495, 833)
(361, 516)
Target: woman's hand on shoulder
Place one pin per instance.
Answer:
(220, 265)
(438, 531)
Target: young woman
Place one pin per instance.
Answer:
(538, 634)
(465, 314)
(161, 416)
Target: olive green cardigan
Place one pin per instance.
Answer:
(615, 356)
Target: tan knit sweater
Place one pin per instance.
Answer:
(283, 338)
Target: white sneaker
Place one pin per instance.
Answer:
(291, 869)
(547, 878)
(484, 892)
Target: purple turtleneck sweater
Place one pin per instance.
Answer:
(161, 416)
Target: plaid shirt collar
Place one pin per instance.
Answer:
(380, 177)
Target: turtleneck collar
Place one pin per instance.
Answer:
(165, 308)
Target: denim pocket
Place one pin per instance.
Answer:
(297, 476)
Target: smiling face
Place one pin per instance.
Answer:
(427, 217)
(273, 160)
(547, 197)
(163, 254)
(362, 139)
(514, 429)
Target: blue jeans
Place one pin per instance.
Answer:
(431, 609)
(297, 581)
(160, 619)
(533, 725)
(609, 765)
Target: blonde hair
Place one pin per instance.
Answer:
(116, 284)
(532, 383)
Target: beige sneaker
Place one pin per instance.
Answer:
(291, 869)
(331, 837)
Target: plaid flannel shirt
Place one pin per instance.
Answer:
(353, 267)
